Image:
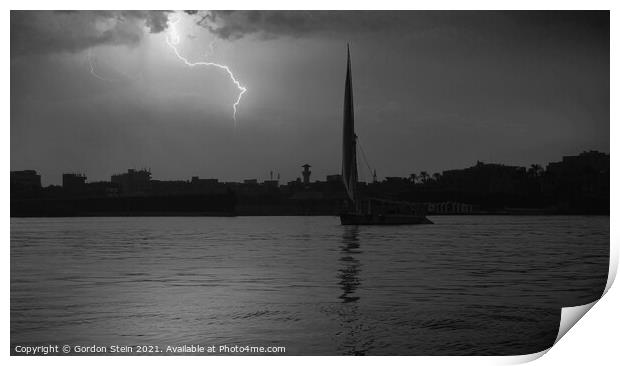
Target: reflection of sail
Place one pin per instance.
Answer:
(354, 337)
(349, 274)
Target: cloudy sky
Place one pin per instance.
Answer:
(100, 92)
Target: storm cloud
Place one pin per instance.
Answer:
(41, 32)
(269, 24)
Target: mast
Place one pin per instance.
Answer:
(349, 161)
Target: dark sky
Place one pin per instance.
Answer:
(100, 92)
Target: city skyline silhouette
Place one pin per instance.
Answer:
(434, 91)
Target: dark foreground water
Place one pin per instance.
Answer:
(466, 285)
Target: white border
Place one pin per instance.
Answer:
(594, 341)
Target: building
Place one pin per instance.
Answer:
(207, 186)
(271, 183)
(101, 189)
(334, 178)
(134, 182)
(589, 162)
(306, 173)
(73, 182)
(208, 181)
(485, 179)
(580, 181)
(25, 180)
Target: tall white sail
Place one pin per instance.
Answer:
(349, 161)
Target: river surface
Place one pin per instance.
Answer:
(484, 285)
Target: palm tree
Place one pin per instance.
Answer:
(413, 178)
(424, 176)
(437, 177)
(536, 170)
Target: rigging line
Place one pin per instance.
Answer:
(364, 156)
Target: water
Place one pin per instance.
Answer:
(466, 285)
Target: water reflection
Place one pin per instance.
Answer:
(352, 337)
(349, 273)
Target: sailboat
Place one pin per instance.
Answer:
(368, 211)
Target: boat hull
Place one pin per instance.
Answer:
(361, 219)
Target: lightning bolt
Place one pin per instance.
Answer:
(93, 71)
(173, 39)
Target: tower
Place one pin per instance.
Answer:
(306, 173)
